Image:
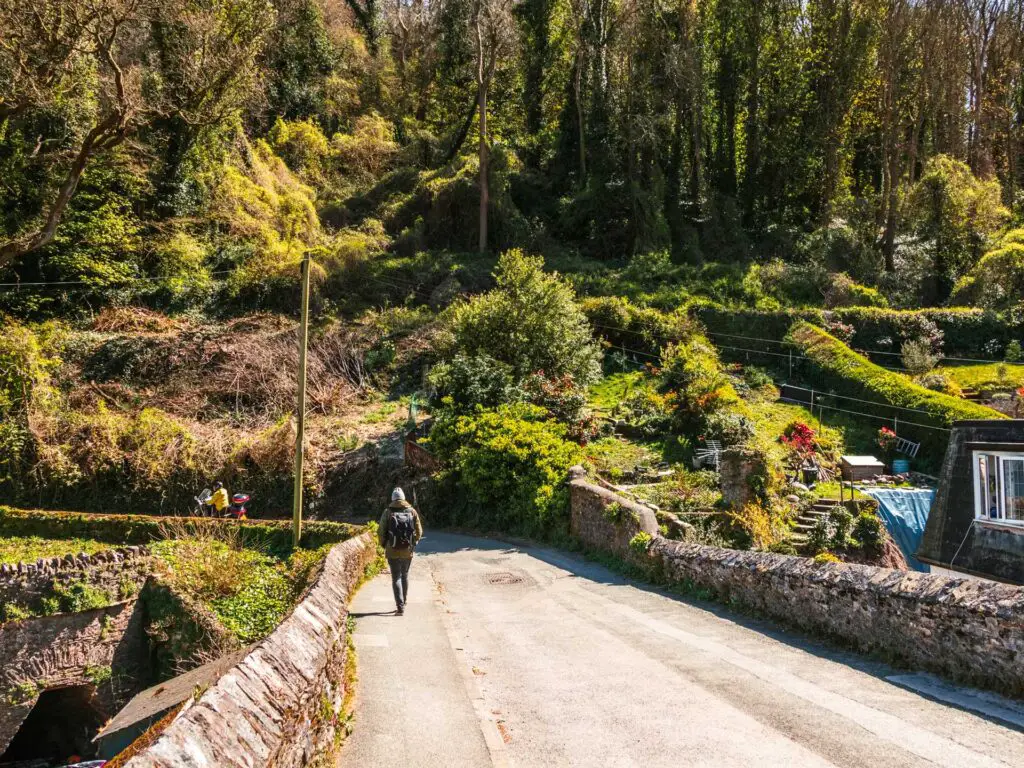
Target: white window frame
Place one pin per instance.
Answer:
(981, 510)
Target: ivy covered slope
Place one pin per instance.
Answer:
(842, 369)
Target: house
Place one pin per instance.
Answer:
(976, 523)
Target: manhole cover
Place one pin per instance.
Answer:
(504, 578)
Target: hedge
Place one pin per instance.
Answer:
(833, 366)
(272, 536)
(966, 330)
(625, 324)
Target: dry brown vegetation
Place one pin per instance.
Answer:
(147, 407)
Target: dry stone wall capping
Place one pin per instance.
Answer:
(968, 630)
(111, 570)
(279, 705)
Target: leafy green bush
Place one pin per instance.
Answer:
(701, 389)
(821, 535)
(996, 281)
(80, 596)
(940, 382)
(463, 383)
(757, 378)
(640, 543)
(624, 324)
(842, 522)
(511, 465)
(530, 321)
(845, 292)
(868, 533)
(645, 410)
(917, 357)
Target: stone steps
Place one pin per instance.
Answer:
(808, 519)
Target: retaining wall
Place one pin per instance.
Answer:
(969, 630)
(111, 571)
(278, 706)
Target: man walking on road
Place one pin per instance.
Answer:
(399, 531)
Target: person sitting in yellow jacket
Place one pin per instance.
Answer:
(219, 501)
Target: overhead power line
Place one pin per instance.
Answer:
(866, 415)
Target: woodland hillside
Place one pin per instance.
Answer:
(599, 231)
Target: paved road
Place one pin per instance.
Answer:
(528, 657)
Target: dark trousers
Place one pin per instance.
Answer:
(400, 579)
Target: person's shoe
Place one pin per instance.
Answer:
(400, 610)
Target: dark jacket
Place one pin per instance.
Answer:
(382, 530)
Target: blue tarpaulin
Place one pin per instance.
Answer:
(905, 512)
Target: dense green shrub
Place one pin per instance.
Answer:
(511, 465)
(842, 522)
(965, 331)
(644, 409)
(835, 366)
(844, 292)
(868, 533)
(530, 321)
(625, 324)
(463, 383)
(996, 281)
(693, 372)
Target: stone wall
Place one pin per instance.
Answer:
(968, 630)
(279, 706)
(114, 571)
(599, 524)
(736, 467)
(70, 649)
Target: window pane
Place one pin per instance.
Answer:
(1013, 489)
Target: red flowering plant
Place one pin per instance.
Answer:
(887, 441)
(800, 440)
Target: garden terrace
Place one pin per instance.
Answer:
(924, 415)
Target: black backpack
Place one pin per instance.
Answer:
(401, 529)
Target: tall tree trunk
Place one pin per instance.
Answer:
(753, 122)
(581, 126)
(482, 101)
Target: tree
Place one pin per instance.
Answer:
(100, 54)
(958, 214)
(493, 34)
(530, 322)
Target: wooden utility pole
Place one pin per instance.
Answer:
(300, 431)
